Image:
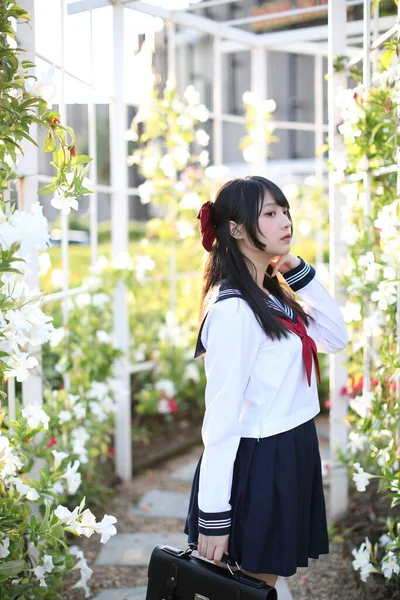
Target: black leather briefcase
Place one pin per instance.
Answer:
(176, 575)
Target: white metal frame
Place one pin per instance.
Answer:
(319, 41)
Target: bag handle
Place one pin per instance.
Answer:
(225, 558)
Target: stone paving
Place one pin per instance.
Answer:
(134, 549)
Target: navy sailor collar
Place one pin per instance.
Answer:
(223, 291)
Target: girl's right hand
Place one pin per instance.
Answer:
(212, 547)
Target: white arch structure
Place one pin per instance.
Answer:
(336, 38)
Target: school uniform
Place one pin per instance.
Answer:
(259, 477)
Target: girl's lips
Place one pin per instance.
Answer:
(287, 238)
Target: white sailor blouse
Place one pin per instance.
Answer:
(256, 387)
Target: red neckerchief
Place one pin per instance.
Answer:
(309, 346)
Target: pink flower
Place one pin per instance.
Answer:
(172, 405)
(52, 442)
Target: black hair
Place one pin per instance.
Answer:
(241, 200)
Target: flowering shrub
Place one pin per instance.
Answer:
(34, 558)
(35, 477)
(370, 274)
(163, 131)
(254, 137)
(178, 382)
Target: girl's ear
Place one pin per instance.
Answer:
(236, 230)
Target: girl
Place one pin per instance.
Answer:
(257, 492)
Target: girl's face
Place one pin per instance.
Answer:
(275, 227)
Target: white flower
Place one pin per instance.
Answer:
(249, 98)
(79, 411)
(385, 295)
(167, 386)
(192, 372)
(106, 528)
(167, 165)
(64, 203)
(149, 164)
(365, 571)
(35, 416)
(389, 565)
(58, 458)
(362, 404)
(352, 312)
(191, 200)
(204, 158)
(98, 411)
(202, 137)
(163, 407)
(64, 416)
(357, 442)
(87, 523)
(131, 135)
(362, 556)
(73, 477)
(98, 390)
(4, 545)
(86, 572)
(181, 154)
(28, 228)
(145, 191)
(103, 337)
(270, 105)
(122, 261)
(40, 572)
(57, 489)
(350, 234)
(250, 154)
(44, 263)
(83, 299)
(81, 434)
(9, 462)
(66, 517)
(23, 489)
(185, 229)
(78, 448)
(214, 172)
(385, 540)
(184, 121)
(100, 300)
(361, 478)
(143, 264)
(201, 113)
(191, 95)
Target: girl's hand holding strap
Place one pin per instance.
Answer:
(212, 547)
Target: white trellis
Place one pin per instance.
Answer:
(338, 37)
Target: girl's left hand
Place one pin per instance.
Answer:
(284, 263)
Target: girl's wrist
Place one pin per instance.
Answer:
(291, 263)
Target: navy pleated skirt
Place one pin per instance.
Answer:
(278, 503)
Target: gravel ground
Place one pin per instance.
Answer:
(331, 577)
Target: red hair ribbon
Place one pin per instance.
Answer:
(309, 346)
(207, 229)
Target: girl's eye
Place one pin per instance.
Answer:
(287, 213)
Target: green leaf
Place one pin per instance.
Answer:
(28, 137)
(387, 57)
(47, 189)
(82, 159)
(58, 156)
(49, 143)
(11, 568)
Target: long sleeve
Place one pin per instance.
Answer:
(328, 329)
(231, 339)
